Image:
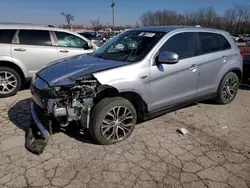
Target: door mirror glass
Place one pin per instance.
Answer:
(168, 57)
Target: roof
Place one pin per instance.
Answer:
(32, 26)
(172, 28)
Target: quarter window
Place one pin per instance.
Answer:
(225, 45)
(209, 42)
(6, 36)
(68, 40)
(34, 37)
(183, 44)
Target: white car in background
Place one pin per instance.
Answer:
(27, 48)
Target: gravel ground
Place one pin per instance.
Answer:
(215, 153)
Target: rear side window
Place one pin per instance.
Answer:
(225, 45)
(209, 42)
(6, 36)
(35, 37)
(183, 44)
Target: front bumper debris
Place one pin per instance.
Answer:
(37, 136)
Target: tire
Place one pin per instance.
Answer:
(15, 76)
(103, 119)
(223, 96)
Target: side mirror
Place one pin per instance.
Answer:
(168, 58)
(90, 45)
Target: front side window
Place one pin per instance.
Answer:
(130, 46)
(34, 37)
(6, 36)
(182, 44)
(69, 40)
(209, 42)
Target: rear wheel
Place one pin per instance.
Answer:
(112, 120)
(10, 82)
(228, 88)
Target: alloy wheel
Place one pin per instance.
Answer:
(117, 124)
(230, 88)
(8, 82)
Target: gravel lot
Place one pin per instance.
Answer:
(215, 152)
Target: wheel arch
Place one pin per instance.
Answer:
(14, 66)
(132, 96)
(237, 71)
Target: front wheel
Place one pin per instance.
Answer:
(228, 88)
(112, 120)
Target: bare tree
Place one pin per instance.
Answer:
(165, 17)
(241, 13)
(234, 20)
(96, 25)
(68, 18)
(229, 17)
(210, 15)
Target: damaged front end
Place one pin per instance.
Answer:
(55, 107)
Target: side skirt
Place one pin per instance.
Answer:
(163, 111)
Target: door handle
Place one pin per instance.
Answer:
(64, 51)
(224, 59)
(20, 49)
(193, 68)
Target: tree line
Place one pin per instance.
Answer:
(235, 20)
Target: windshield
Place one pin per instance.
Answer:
(129, 46)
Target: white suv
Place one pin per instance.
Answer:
(27, 48)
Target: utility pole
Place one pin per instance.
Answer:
(112, 4)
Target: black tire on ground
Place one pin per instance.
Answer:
(19, 82)
(219, 98)
(100, 111)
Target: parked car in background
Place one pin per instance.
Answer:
(246, 65)
(237, 38)
(241, 38)
(27, 48)
(139, 74)
(93, 38)
(245, 38)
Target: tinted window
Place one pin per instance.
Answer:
(6, 36)
(224, 43)
(209, 42)
(34, 37)
(68, 40)
(183, 44)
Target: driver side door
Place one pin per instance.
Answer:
(70, 45)
(172, 84)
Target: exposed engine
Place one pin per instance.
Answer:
(75, 102)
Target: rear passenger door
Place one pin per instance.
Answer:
(70, 45)
(34, 49)
(214, 51)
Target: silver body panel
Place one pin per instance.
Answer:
(164, 85)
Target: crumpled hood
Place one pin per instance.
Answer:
(64, 71)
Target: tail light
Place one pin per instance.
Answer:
(242, 54)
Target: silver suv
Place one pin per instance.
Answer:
(139, 74)
(27, 48)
